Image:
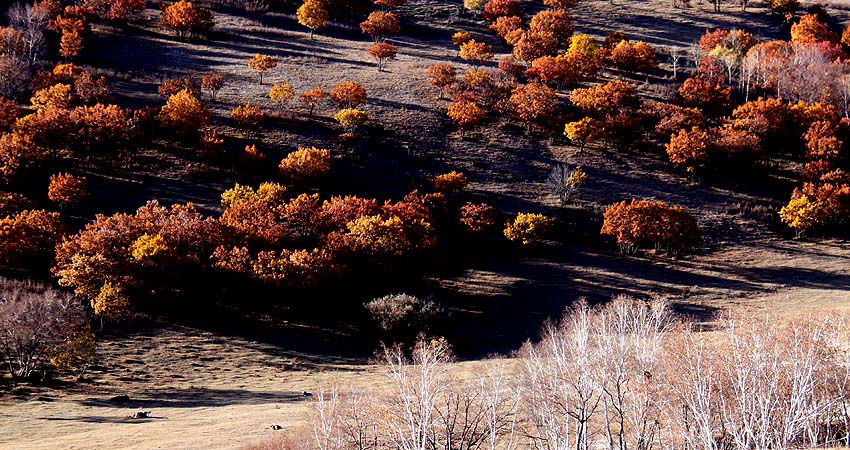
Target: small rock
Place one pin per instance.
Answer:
(275, 427)
(306, 394)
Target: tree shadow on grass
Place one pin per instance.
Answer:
(196, 398)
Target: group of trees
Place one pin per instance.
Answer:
(624, 375)
(271, 234)
(546, 55)
(640, 223)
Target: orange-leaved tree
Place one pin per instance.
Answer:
(306, 163)
(312, 97)
(67, 189)
(466, 114)
(348, 94)
(668, 227)
(260, 64)
(442, 76)
(184, 17)
(380, 25)
(381, 52)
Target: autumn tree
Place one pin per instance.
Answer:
(560, 4)
(689, 149)
(640, 222)
(380, 25)
(478, 217)
(584, 131)
(533, 102)
(585, 56)
(476, 52)
(348, 94)
(505, 25)
(313, 15)
(710, 97)
(248, 116)
(442, 75)
(67, 189)
(184, 113)
(57, 96)
(18, 155)
(552, 70)
(260, 64)
(306, 163)
(281, 93)
(351, 118)
(810, 30)
(70, 43)
(172, 86)
(449, 182)
(465, 114)
(27, 239)
(381, 52)
(605, 100)
(494, 9)
(554, 22)
(311, 98)
(184, 17)
(533, 44)
(802, 214)
(212, 83)
(528, 228)
(633, 57)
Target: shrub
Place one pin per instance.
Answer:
(248, 116)
(77, 353)
(306, 163)
(33, 320)
(397, 312)
(184, 113)
(170, 87)
(565, 181)
(449, 182)
(478, 217)
(281, 93)
(351, 118)
(527, 228)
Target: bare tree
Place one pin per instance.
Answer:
(33, 319)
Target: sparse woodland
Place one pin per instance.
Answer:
(212, 191)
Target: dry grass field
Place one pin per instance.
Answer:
(221, 389)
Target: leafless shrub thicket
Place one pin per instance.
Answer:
(623, 376)
(34, 320)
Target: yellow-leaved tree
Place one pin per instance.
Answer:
(803, 213)
(313, 15)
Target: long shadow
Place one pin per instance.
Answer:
(197, 398)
